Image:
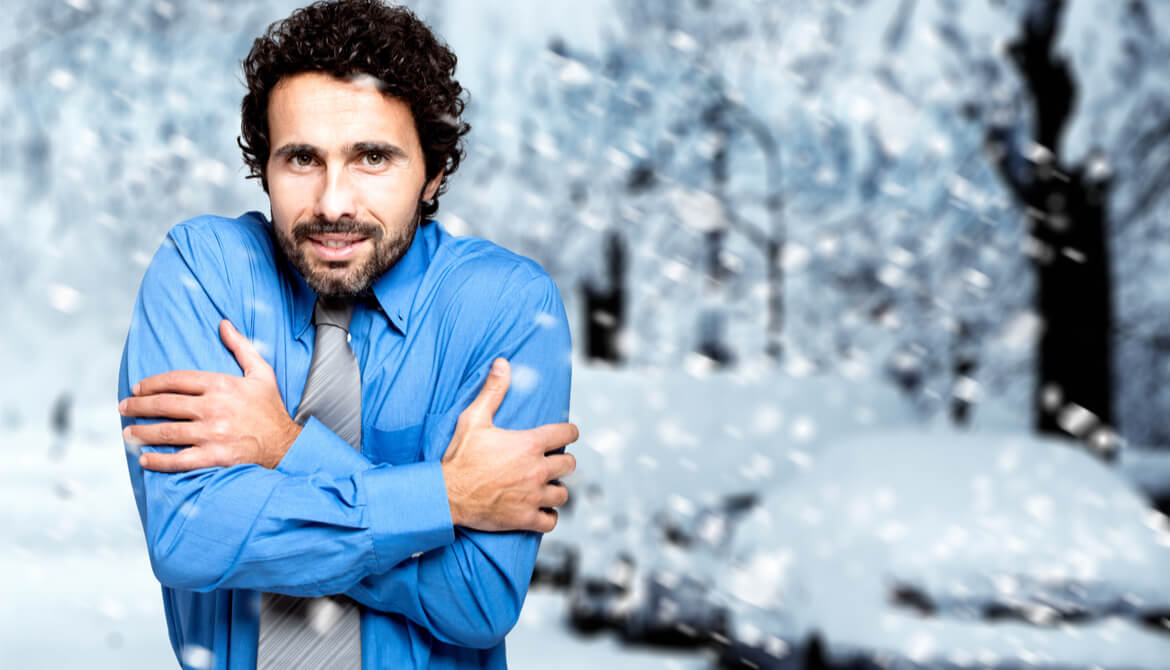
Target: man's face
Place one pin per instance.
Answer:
(346, 176)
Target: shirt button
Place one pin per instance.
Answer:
(348, 337)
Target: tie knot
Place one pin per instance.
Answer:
(333, 312)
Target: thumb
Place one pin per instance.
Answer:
(495, 387)
(250, 360)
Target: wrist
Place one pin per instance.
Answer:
(452, 496)
(288, 436)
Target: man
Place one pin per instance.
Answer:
(351, 122)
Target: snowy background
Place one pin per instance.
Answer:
(826, 308)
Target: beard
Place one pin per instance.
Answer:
(351, 278)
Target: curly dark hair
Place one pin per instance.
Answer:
(346, 38)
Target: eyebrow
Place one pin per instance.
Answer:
(393, 151)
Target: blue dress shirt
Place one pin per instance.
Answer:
(375, 524)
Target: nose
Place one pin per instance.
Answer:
(336, 199)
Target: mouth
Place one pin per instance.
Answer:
(335, 247)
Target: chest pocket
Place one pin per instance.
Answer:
(398, 446)
(426, 441)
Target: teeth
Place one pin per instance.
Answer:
(336, 244)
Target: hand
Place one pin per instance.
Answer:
(226, 420)
(503, 479)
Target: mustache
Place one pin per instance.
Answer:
(319, 226)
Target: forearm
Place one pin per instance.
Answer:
(250, 527)
(468, 593)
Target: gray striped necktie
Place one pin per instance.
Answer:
(320, 632)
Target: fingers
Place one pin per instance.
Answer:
(560, 465)
(176, 433)
(161, 406)
(554, 435)
(495, 387)
(554, 495)
(250, 360)
(190, 382)
(180, 461)
(546, 520)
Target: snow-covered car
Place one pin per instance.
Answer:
(598, 602)
(556, 564)
(660, 590)
(938, 549)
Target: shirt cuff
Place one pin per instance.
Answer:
(408, 511)
(319, 450)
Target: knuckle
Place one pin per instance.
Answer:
(219, 430)
(219, 457)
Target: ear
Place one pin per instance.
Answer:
(432, 186)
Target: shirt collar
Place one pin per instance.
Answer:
(394, 290)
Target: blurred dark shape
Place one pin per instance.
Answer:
(605, 305)
(641, 178)
(712, 336)
(1137, 12)
(578, 194)
(815, 653)
(556, 564)
(595, 600)
(556, 44)
(712, 333)
(896, 31)
(711, 528)
(964, 362)
(904, 595)
(60, 423)
(675, 611)
(650, 601)
(659, 608)
(1050, 606)
(1159, 622)
(1067, 219)
(740, 654)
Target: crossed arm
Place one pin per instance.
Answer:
(325, 520)
(496, 479)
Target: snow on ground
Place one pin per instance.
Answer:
(969, 524)
(73, 559)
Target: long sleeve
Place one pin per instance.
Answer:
(246, 526)
(470, 592)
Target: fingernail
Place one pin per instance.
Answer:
(135, 389)
(142, 460)
(498, 367)
(121, 406)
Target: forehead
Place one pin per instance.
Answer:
(327, 112)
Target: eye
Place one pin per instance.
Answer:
(375, 158)
(302, 159)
